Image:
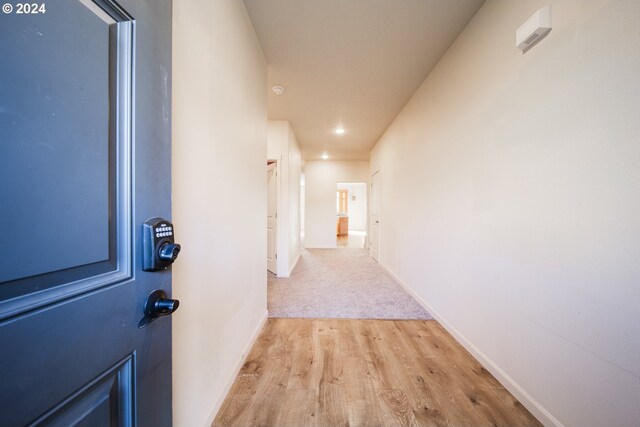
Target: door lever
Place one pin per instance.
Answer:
(157, 305)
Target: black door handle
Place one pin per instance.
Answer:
(157, 305)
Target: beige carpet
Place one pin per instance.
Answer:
(340, 283)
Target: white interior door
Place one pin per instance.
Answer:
(272, 217)
(375, 215)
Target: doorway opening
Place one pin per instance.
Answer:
(351, 215)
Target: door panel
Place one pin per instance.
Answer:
(106, 401)
(68, 132)
(51, 354)
(76, 124)
(85, 159)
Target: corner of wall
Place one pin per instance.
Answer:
(509, 383)
(209, 338)
(506, 198)
(293, 265)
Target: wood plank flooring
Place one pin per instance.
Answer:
(335, 372)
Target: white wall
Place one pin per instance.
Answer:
(358, 207)
(321, 180)
(511, 204)
(302, 205)
(282, 146)
(295, 170)
(219, 193)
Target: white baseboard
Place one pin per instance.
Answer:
(514, 388)
(236, 370)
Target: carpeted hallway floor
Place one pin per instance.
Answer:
(340, 283)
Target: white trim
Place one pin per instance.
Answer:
(509, 383)
(282, 242)
(275, 165)
(236, 370)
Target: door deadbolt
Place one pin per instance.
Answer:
(159, 248)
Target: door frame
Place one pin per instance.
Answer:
(374, 222)
(274, 165)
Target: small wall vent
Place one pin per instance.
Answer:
(534, 29)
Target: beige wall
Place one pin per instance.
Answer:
(295, 171)
(219, 200)
(510, 204)
(282, 146)
(321, 180)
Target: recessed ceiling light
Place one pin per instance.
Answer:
(278, 90)
(339, 130)
(325, 156)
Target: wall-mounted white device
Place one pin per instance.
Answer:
(534, 29)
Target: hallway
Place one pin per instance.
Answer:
(335, 362)
(353, 240)
(311, 372)
(502, 192)
(487, 150)
(340, 283)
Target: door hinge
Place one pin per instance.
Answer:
(276, 256)
(276, 215)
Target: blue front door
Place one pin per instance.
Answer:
(84, 161)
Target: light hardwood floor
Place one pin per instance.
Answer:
(329, 372)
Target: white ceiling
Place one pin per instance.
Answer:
(350, 63)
